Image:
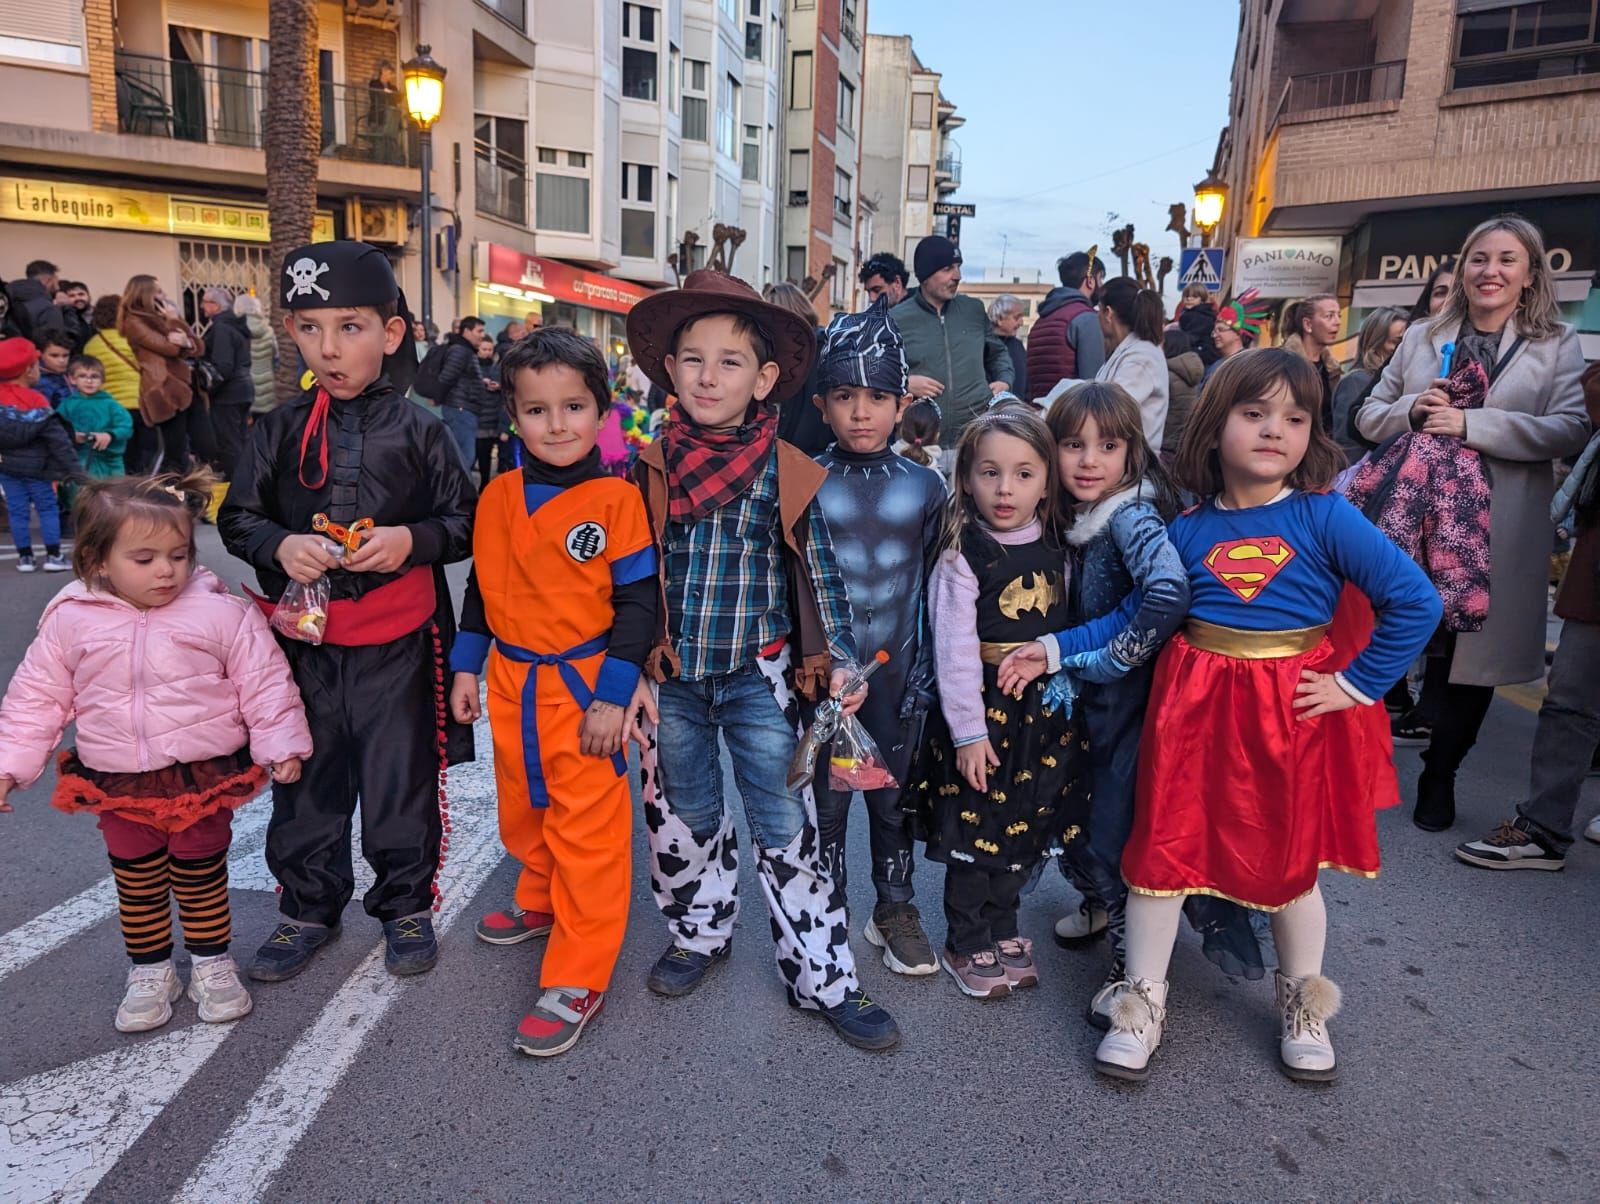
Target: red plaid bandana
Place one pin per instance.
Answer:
(707, 469)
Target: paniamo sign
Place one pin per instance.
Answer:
(1286, 267)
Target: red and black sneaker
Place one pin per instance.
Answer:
(514, 926)
(557, 1021)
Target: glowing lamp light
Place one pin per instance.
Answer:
(424, 83)
(1210, 195)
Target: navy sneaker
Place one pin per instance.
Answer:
(289, 950)
(679, 971)
(863, 1023)
(413, 949)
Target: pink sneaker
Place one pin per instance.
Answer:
(1016, 959)
(979, 975)
(514, 926)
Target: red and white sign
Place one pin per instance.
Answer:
(558, 280)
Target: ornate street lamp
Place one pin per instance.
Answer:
(1210, 195)
(424, 84)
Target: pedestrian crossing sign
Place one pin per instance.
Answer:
(1201, 265)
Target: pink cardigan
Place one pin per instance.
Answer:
(197, 678)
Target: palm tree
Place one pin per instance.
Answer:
(293, 138)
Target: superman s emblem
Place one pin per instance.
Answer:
(1247, 566)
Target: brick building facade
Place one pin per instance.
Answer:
(1398, 124)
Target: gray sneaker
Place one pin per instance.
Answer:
(896, 928)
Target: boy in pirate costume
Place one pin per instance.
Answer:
(886, 516)
(354, 459)
(561, 604)
(753, 609)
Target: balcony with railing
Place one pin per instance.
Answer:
(1329, 94)
(502, 184)
(225, 106)
(947, 171)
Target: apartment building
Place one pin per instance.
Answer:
(823, 105)
(1391, 127)
(579, 142)
(908, 159)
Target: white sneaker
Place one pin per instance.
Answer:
(56, 564)
(215, 986)
(1592, 831)
(147, 1004)
(1305, 1005)
(1138, 1013)
(1081, 926)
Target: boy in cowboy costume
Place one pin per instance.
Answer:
(353, 452)
(753, 609)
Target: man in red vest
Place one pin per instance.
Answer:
(1066, 342)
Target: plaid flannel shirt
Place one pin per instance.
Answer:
(727, 596)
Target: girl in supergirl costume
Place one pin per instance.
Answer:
(999, 787)
(183, 703)
(1266, 755)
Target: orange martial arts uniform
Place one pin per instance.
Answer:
(546, 560)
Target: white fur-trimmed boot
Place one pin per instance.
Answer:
(1138, 1012)
(1305, 1005)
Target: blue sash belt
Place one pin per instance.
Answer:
(538, 792)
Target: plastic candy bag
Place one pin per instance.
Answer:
(804, 765)
(855, 762)
(302, 612)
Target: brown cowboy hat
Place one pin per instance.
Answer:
(654, 321)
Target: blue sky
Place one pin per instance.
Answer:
(1047, 156)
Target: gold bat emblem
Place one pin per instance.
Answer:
(1041, 593)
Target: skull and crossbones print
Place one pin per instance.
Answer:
(304, 273)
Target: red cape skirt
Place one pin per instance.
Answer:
(1239, 799)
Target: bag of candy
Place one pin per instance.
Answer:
(302, 612)
(854, 762)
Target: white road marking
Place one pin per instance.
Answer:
(241, 1165)
(62, 1130)
(45, 933)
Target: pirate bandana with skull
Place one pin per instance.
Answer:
(337, 275)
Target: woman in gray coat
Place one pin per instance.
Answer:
(263, 351)
(1501, 312)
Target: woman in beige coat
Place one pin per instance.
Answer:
(1501, 312)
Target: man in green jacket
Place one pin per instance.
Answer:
(954, 355)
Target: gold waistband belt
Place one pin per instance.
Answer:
(1252, 645)
(993, 654)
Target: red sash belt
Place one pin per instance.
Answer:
(379, 616)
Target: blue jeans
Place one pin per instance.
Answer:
(21, 494)
(761, 743)
(463, 427)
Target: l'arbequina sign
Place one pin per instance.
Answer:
(1409, 244)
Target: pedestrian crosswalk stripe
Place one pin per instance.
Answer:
(260, 1141)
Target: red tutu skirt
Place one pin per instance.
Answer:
(1239, 799)
(171, 799)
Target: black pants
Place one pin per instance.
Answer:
(377, 740)
(980, 906)
(231, 424)
(485, 449)
(164, 446)
(1457, 711)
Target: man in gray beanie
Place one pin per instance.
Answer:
(953, 353)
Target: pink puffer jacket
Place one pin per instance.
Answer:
(196, 678)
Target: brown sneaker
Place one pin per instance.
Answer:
(978, 974)
(1016, 959)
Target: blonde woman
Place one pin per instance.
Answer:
(1501, 312)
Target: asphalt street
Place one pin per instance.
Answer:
(1465, 1046)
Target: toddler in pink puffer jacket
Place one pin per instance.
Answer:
(183, 702)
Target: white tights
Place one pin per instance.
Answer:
(1300, 932)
